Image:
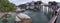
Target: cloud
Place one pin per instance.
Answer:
(46, 1)
(56, 0)
(18, 2)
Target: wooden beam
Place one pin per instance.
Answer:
(53, 19)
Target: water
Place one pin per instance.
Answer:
(10, 19)
(37, 16)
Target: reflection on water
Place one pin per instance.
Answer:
(38, 16)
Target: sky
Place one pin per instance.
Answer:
(18, 2)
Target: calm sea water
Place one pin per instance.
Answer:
(37, 16)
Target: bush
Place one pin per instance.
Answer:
(5, 5)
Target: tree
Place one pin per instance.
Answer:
(52, 3)
(5, 5)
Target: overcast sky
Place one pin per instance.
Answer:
(18, 2)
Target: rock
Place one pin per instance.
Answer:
(27, 21)
(23, 17)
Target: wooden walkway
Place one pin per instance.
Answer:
(56, 18)
(53, 19)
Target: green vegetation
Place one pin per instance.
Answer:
(6, 6)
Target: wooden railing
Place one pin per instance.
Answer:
(55, 18)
